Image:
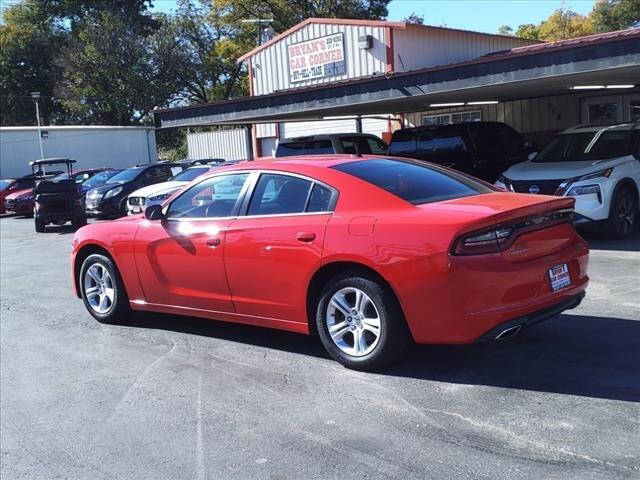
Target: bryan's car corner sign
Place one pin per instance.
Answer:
(318, 58)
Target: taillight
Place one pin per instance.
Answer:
(501, 237)
(483, 242)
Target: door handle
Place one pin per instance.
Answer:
(213, 242)
(306, 236)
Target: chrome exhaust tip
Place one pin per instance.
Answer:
(509, 332)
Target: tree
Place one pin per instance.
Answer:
(29, 42)
(564, 23)
(286, 13)
(505, 30)
(528, 30)
(116, 73)
(609, 15)
(415, 18)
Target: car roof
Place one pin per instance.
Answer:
(603, 126)
(426, 128)
(324, 136)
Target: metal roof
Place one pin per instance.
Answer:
(523, 72)
(367, 23)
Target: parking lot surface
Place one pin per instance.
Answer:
(178, 398)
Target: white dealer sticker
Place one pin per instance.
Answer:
(559, 277)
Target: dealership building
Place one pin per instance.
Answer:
(337, 75)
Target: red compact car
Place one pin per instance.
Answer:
(367, 252)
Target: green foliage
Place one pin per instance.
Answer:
(529, 31)
(606, 16)
(505, 30)
(29, 42)
(609, 15)
(116, 72)
(415, 18)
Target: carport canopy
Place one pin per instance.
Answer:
(524, 72)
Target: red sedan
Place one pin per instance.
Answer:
(367, 252)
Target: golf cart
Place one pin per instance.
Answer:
(57, 201)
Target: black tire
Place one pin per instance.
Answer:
(40, 226)
(119, 310)
(623, 214)
(393, 335)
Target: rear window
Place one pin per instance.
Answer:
(402, 143)
(414, 182)
(444, 140)
(304, 147)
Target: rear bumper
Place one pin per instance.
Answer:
(532, 318)
(472, 295)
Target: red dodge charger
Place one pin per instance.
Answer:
(367, 252)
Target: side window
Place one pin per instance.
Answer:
(81, 177)
(377, 147)
(278, 194)
(320, 199)
(214, 197)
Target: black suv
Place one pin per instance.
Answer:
(110, 198)
(57, 200)
(481, 149)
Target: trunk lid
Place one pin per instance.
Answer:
(535, 232)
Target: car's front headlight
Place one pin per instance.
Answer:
(113, 192)
(583, 190)
(159, 198)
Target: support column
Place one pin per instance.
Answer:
(248, 138)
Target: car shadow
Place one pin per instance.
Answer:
(234, 332)
(600, 241)
(570, 354)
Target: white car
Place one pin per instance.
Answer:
(597, 165)
(159, 192)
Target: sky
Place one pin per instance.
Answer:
(479, 15)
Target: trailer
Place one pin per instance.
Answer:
(91, 146)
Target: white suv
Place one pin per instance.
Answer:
(597, 165)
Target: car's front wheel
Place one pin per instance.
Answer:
(102, 290)
(360, 323)
(623, 214)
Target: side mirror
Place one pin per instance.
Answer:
(154, 212)
(532, 155)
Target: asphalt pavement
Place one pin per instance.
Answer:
(179, 398)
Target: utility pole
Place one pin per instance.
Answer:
(36, 97)
(259, 22)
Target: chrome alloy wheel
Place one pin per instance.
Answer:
(98, 288)
(353, 322)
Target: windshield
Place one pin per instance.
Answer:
(4, 184)
(100, 178)
(577, 147)
(189, 174)
(125, 175)
(414, 182)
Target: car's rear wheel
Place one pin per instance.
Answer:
(623, 214)
(102, 290)
(40, 225)
(360, 323)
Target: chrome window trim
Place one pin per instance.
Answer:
(239, 200)
(250, 183)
